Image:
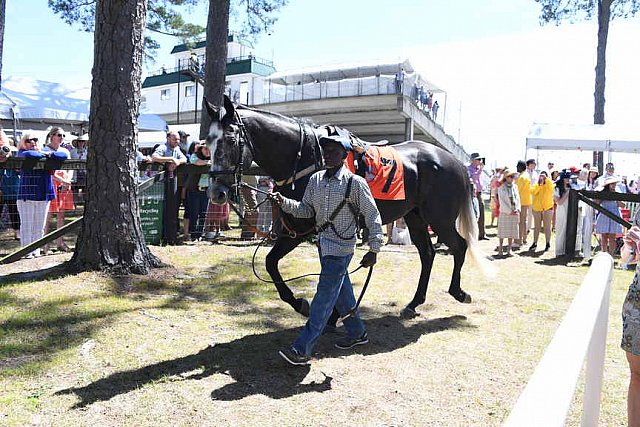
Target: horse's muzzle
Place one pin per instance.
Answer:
(218, 193)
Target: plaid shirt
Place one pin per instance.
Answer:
(320, 199)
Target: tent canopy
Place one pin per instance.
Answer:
(545, 136)
(54, 103)
(355, 70)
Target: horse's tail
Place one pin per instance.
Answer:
(468, 229)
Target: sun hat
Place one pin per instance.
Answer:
(476, 156)
(610, 180)
(83, 138)
(507, 173)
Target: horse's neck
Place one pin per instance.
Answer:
(276, 142)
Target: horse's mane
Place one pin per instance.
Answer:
(293, 119)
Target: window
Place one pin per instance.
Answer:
(189, 90)
(165, 94)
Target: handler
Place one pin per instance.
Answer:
(324, 199)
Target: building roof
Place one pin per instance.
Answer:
(167, 79)
(354, 70)
(199, 44)
(246, 65)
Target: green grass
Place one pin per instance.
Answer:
(195, 344)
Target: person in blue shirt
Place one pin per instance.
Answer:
(9, 182)
(35, 191)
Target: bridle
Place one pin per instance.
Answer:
(244, 140)
(239, 167)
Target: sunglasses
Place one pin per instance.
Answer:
(61, 135)
(33, 140)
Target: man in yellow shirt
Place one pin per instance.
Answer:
(524, 188)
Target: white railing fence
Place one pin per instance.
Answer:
(547, 397)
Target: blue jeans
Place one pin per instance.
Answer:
(334, 289)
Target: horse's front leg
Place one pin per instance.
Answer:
(280, 249)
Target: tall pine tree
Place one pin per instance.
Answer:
(557, 11)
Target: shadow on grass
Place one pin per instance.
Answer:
(49, 273)
(252, 361)
(560, 260)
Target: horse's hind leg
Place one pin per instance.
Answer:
(422, 241)
(458, 247)
(280, 249)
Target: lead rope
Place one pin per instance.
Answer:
(270, 235)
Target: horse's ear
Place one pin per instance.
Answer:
(229, 112)
(213, 110)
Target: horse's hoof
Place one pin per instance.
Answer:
(408, 313)
(462, 297)
(303, 307)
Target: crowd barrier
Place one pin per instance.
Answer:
(547, 397)
(155, 193)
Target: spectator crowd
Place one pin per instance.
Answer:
(527, 201)
(33, 201)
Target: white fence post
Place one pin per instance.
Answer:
(547, 397)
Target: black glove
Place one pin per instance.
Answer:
(369, 259)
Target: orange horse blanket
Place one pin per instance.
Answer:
(383, 172)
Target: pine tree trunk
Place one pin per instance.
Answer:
(3, 7)
(604, 14)
(111, 236)
(216, 58)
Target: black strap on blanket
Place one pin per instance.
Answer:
(392, 174)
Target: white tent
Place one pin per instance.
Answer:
(53, 103)
(545, 136)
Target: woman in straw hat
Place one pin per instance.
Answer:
(605, 226)
(509, 219)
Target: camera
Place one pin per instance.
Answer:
(5, 149)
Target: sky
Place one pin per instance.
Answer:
(500, 69)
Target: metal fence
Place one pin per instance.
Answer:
(158, 196)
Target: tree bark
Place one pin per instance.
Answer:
(111, 237)
(216, 58)
(3, 7)
(604, 15)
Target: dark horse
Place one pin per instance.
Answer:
(437, 188)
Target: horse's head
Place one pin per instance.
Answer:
(228, 154)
